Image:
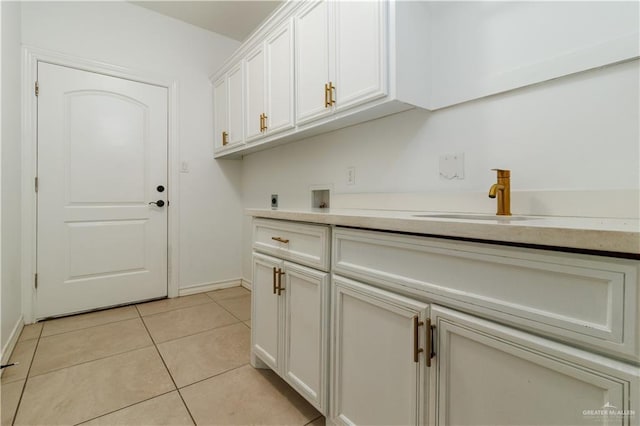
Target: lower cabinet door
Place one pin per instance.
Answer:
(306, 332)
(488, 374)
(375, 379)
(265, 305)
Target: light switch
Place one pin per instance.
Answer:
(452, 166)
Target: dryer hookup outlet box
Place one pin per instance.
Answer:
(274, 201)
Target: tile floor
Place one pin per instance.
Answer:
(177, 361)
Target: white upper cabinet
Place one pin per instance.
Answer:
(360, 53)
(340, 56)
(270, 85)
(313, 54)
(228, 109)
(280, 89)
(220, 110)
(352, 62)
(255, 64)
(235, 105)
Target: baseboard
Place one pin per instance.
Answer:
(246, 284)
(11, 343)
(204, 287)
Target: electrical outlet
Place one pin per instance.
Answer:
(351, 176)
(274, 201)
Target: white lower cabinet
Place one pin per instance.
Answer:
(487, 374)
(290, 324)
(480, 372)
(378, 356)
(415, 330)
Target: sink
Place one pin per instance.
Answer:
(462, 216)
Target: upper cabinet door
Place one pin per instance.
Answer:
(255, 93)
(234, 81)
(312, 61)
(279, 50)
(220, 107)
(361, 56)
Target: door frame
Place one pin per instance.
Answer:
(30, 58)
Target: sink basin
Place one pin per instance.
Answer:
(475, 217)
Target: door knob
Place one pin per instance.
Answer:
(160, 188)
(158, 203)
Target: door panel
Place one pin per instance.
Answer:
(265, 318)
(312, 61)
(102, 150)
(255, 93)
(360, 52)
(279, 49)
(490, 374)
(305, 335)
(375, 380)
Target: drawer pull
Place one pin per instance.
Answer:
(282, 240)
(280, 274)
(275, 287)
(416, 347)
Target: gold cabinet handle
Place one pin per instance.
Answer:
(280, 274)
(332, 89)
(281, 240)
(429, 345)
(225, 140)
(327, 104)
(275, 287)
(416, 347)
(261, 123)
(264, 121)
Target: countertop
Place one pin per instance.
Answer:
(592, 234)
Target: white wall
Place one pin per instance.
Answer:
(478, 48)
(10, 285)
(579, 132)
(124, 34)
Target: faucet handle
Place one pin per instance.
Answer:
(503, 173)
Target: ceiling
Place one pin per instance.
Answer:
(235, 19)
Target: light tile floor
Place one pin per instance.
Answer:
(177, 361)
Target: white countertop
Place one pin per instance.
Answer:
(607, 235)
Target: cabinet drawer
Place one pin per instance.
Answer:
(298, 242)
(588, 300)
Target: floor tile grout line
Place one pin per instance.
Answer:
(125, 407)
(194, 334)
(85, 328)
(92, 360)
(175, 309)
(26, 379)
(232, 314)
(215, 375)
(168, 372)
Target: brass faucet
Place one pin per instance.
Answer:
(503, 190)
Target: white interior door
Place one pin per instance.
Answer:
(102, 153)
